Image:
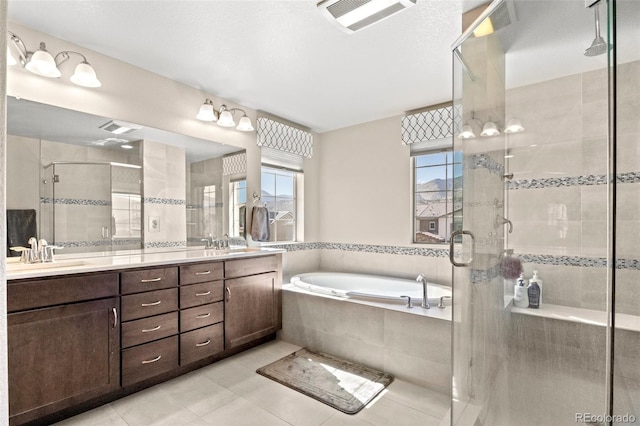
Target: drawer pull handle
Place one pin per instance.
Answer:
(149, 361)
(203, 343)
(202, 316)
(203, 273)
(228, 293)
(156, 328)
(206, 293)
(115, 317)
(151, 280)
(152, 304)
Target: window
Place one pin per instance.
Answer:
(209, 210)
(437, 195)
(238, 190)
(279, 196)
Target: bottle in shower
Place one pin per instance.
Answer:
(520, 294)
(533, 291)
(539, 282)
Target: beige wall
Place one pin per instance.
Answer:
(365, 190)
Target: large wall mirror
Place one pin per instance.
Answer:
(93, 184)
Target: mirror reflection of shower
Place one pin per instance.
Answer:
(89, 206)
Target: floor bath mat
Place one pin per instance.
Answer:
(344, 385)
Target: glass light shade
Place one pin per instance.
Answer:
(466, 132)
(42, 63)
(85, 75)
(514, 126)
(490, 129)
(245, 124)
(10, 59)
(206, 112)
(226, 119)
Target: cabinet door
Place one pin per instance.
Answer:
(249, 310)
(61, 356)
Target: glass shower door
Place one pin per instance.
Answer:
(479, 331)
(82, 218)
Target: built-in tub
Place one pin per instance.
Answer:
(349, 285)
(362, 318)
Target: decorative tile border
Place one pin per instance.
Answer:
(75, 201)
(484, 276)
(162, 244)
(484, 161)
(171, 201)
(365, 248)
(586, 180)
(98, 243)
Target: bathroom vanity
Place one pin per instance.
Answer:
(99, 329)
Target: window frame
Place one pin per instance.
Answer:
(275, 170)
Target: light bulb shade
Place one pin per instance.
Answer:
(514, 126)
(244, 125)
(10, 59)
(85, 75)
(466, 132)
(42, 63)
(490, 129)
(206, 112)
(226, 119)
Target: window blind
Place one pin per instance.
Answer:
(430, 130)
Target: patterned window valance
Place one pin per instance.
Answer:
(276, 135)
(234, 163)
(432, 125)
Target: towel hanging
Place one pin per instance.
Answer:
(259, 223)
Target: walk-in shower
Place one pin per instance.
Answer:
(568, 184)
(91, 206)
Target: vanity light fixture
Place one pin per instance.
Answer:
(489, 129)
(514, 126)
(466, 132)
(42, 63)
(224, 116)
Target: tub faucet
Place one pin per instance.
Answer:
(425, 300)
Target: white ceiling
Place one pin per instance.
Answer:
(280, 56)
(284, 57)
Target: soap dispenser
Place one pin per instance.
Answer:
(520, 295)
(534, 291)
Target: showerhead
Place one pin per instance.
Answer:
(599, 46)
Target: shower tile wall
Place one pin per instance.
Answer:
(164, 202)
(558, 202)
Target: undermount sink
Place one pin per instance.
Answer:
(17, 266)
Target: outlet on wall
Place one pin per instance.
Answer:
(154, 223)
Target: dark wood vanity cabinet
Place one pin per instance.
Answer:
(149, 323)
(251, 300)
(63, 347)
(201, 311)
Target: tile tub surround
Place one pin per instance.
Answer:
(415, 348)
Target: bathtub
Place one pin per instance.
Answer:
(363, 319)
(349, 285)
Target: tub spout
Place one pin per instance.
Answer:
(425, 300)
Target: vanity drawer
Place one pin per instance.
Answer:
(148, 279)
(148, 360)
(148, 329)
(31, 294)
(147, 304)
(201, 272)
(201, 316)
(252, 266)
(201, 343)
(201, 294)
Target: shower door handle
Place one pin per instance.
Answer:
(462, 233)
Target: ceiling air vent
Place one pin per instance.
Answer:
(119, 127)
(354, 15)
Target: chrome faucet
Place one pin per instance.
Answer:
(425, 300)
(209, 241)
(34, 254)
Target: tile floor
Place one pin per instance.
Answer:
(231, 393)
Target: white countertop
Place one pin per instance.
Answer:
(95, 262)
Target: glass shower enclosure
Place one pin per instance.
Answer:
(91, 207)
(548, 95)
